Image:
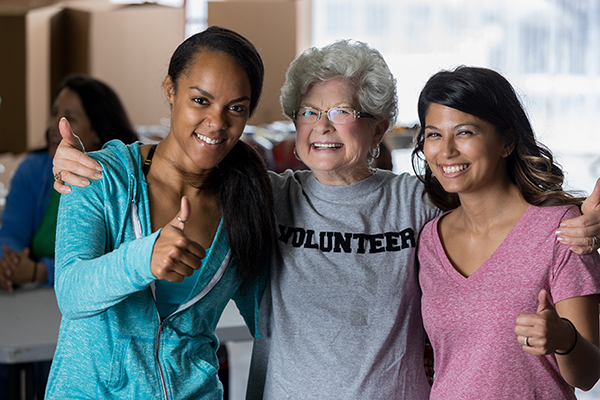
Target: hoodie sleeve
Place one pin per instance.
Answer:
(93, 270)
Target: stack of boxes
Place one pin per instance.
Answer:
(128, 46)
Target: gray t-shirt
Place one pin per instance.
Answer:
(341, 317)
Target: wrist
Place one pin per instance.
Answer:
(35, 271)
(573, 336)
(40, 272)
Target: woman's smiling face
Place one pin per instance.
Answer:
(210, 108)
(463, 152)
(336, 153)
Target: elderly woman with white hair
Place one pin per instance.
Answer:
(341, 314)
(341, 317)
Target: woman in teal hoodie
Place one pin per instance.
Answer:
(148, 257)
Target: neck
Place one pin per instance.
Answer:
(482, 212)
(170, 172)
(343, 178)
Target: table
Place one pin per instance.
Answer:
(30, 321)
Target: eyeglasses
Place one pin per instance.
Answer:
(337, 115)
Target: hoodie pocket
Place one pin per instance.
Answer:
(117, 372)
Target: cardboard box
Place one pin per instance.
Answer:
(24, 75)
(280, 30)
(128, 46)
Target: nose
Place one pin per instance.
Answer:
(216, 120)
(323, 124)
(448, 148)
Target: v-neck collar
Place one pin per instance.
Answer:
(487, 264)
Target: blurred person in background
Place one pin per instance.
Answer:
(29, 219)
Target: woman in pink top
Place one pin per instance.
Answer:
(510, 312)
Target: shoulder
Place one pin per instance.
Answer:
(35, 161)
(403, 179)
(553, 215)
(118, 158)
(288, 178)
(121, 171)
(407, 190)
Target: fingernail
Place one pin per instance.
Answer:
(563, 224)
(557, 232)
(99, 168)
(66, 189)
(560, 239)
(98, 175)
(85, 182)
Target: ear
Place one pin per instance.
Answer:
(508, 149)
(381, 128)
(169, 89)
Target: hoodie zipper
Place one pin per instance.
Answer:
(163, 382)
(137, 228)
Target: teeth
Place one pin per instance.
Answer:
(207, 139)
(327, 145)
(454, 168)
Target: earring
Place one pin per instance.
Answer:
(375, 152)
(296, 154)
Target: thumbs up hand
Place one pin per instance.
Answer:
(175, 256)
(543, 332)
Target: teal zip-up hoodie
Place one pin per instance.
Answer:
(112, 343)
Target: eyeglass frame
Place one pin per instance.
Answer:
(357, 114)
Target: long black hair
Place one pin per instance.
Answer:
(487, 95)
(241, 179)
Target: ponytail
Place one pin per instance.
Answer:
(246, 201)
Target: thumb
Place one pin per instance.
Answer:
(64, 127)
(544, 302)
(184, 214)
(593, 199)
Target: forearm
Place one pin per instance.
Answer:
(46, 270)
(581, 367)
(88, 287)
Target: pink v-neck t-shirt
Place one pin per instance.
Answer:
(470, 321)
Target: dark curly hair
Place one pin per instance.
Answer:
(487, 95)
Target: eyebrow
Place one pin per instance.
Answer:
(210, 96)
(455, 126)
(317, 108)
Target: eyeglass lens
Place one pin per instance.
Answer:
(337, 115)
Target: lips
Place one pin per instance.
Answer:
(452, 169)
(327, 146)
(208, 140)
